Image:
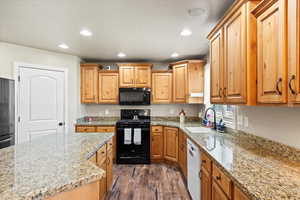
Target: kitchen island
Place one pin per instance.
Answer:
(50, 165)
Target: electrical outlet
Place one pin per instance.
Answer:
(246, 122)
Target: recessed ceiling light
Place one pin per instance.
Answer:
(63, 46)
(174, 55)
(86, 32)
(121, 55)
(186, 32)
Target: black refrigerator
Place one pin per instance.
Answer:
(7, 113)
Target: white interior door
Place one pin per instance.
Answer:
(41, 103)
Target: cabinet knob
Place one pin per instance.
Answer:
(218, 178)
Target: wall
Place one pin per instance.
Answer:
(10, 53)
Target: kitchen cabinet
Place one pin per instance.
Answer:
(109, 169)
(135, 75)
(108, 87)
(216, 66)
(171, 144)
(294, 51)
(205, 184)
(157, 143)
(222, 180)
(85, 129)
(239, 195)
(101, 162)
(188, 81)
(162, 87)
(217, 193)
(89, 83)
(182, 153)
(233, 56)
(89, 191)
(271, 52)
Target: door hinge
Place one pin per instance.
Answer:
(19, 119)
(19, 78)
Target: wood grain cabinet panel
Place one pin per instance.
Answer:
(108, 88)
(142, 76)
(85, 129)
(162, 87)
(205, 184)
(239, 195)
(182, 153)
(126, 74)
(222, 180)
(271, 52)
(180, 83)
(171, 144)
(157, 143)
(216, 66)
(217, 193)
(103, 182)
(294, 51)
(109, 170)
(89, 83)
(195, 73)
(235, 58)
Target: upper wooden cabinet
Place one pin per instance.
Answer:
(171, 144)
(271, 51)
(108, 87)
(233, 56)
(161, 87)
(188, 81)
(135, 74)
(294, 51)
(89, 83)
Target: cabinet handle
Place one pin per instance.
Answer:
(290, 84)
(218, 177)
(224, 92)
(277, 86)
(204, 161)
(220, 92)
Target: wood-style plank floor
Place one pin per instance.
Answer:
(147, 182)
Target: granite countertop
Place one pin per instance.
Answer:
(49, 165)
(262, 174)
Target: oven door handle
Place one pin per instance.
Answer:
(6, 140)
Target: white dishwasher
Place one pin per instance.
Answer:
(194, 162)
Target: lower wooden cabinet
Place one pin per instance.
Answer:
(171, 144)
(157, 143)
(217, 193)
(205, 185)
(85, 129)
(109, 170)
(239, 195)
(182, 155)
(89, 191)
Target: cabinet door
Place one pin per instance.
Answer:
(217, 193)
(126, 76)
(239, 195)
(294, 50)
(216, 66)
(205, 185)
(161, 87)
(108, 88)
(180, 83)
(195, 72)
(171, 144)
(89, 84)
(157, 145)
(109, 170)
(103, 187)
(182, 158)
(142, 76)
(271, 52)
(235, 63)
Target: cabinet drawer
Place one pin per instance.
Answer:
(93, 159)
(101, 155)
(109, 145)
(157, 129)
(223, 181)
(106, 129)
(85, 129)
(206, 162)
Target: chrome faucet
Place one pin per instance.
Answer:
(215, 120)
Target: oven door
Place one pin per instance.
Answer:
(133, 144)
(134, 96)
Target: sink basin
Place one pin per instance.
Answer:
(198, 129)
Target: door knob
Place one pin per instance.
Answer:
(61, 123)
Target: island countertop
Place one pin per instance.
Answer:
(49, 165)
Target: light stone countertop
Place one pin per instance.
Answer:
(260, 173)
(49, 165)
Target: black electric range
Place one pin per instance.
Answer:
(133, 137)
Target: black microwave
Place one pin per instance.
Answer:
(134, 96)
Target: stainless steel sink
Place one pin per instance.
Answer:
(199, 129)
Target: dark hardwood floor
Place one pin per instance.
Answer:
(147, 182)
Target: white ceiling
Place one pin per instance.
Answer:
(142, 29)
